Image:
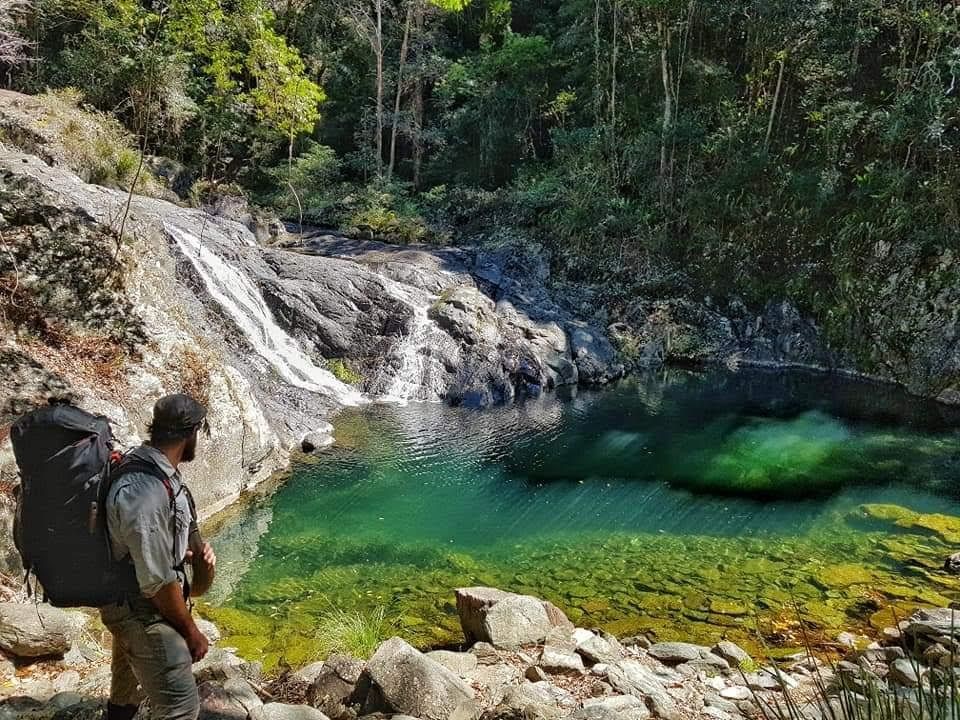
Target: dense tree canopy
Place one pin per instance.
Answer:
(766, 146)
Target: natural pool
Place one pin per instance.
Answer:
(694, 506)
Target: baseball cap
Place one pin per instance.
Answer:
(179, 413)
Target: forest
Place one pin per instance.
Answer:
(756, 148)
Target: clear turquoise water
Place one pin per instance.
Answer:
(686, 505)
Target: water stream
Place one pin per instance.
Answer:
(687, 506)
(242, 301)
(419, 373)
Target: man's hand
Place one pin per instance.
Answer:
(208, 558)
(198, 644)
(204, 562)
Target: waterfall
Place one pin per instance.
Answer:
(421, 374)
(240, 298)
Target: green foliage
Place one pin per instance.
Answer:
(206, 192)
(383, 211)
(765, 148)
(190, 79)
(354, 633)
(343, 372)
(283, 97)
(94, 145)
(492, 108)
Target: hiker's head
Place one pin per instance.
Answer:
(177, 419)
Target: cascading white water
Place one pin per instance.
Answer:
(240, 298)
(421, 373)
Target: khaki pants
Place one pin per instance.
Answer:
(148, 652)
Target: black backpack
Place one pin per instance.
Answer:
(67, 465)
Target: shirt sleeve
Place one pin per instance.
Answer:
(145, 529)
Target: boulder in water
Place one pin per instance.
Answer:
(507, 620)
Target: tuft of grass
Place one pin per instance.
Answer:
(343, 372)
(863, 696)
(352, 633)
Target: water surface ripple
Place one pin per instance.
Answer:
(694, 506)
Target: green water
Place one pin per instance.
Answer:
(690, 506)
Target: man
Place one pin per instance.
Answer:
(152, 526)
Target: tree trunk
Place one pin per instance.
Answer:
(404, 45)
(597, 89)
(613, 64)
(776, 101)
(378, 42)
(663, 30)
(418, 104)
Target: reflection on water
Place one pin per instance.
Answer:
(686, 505)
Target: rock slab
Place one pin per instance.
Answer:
(506, 620)
(413, 684)
(333, 686)
(32, 631)
(631, 678)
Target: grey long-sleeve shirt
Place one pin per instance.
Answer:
(143, 527)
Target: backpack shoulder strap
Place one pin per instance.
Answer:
(129, 464)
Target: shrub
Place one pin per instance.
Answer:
(210, 192)
(343, 372)
(92, 144)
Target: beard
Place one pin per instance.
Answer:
(189, 450)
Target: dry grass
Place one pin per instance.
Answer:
(20, 308)
(289, 690)
(87, 359)
(58, 126)
(196, 365)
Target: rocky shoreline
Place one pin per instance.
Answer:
(521, 659)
